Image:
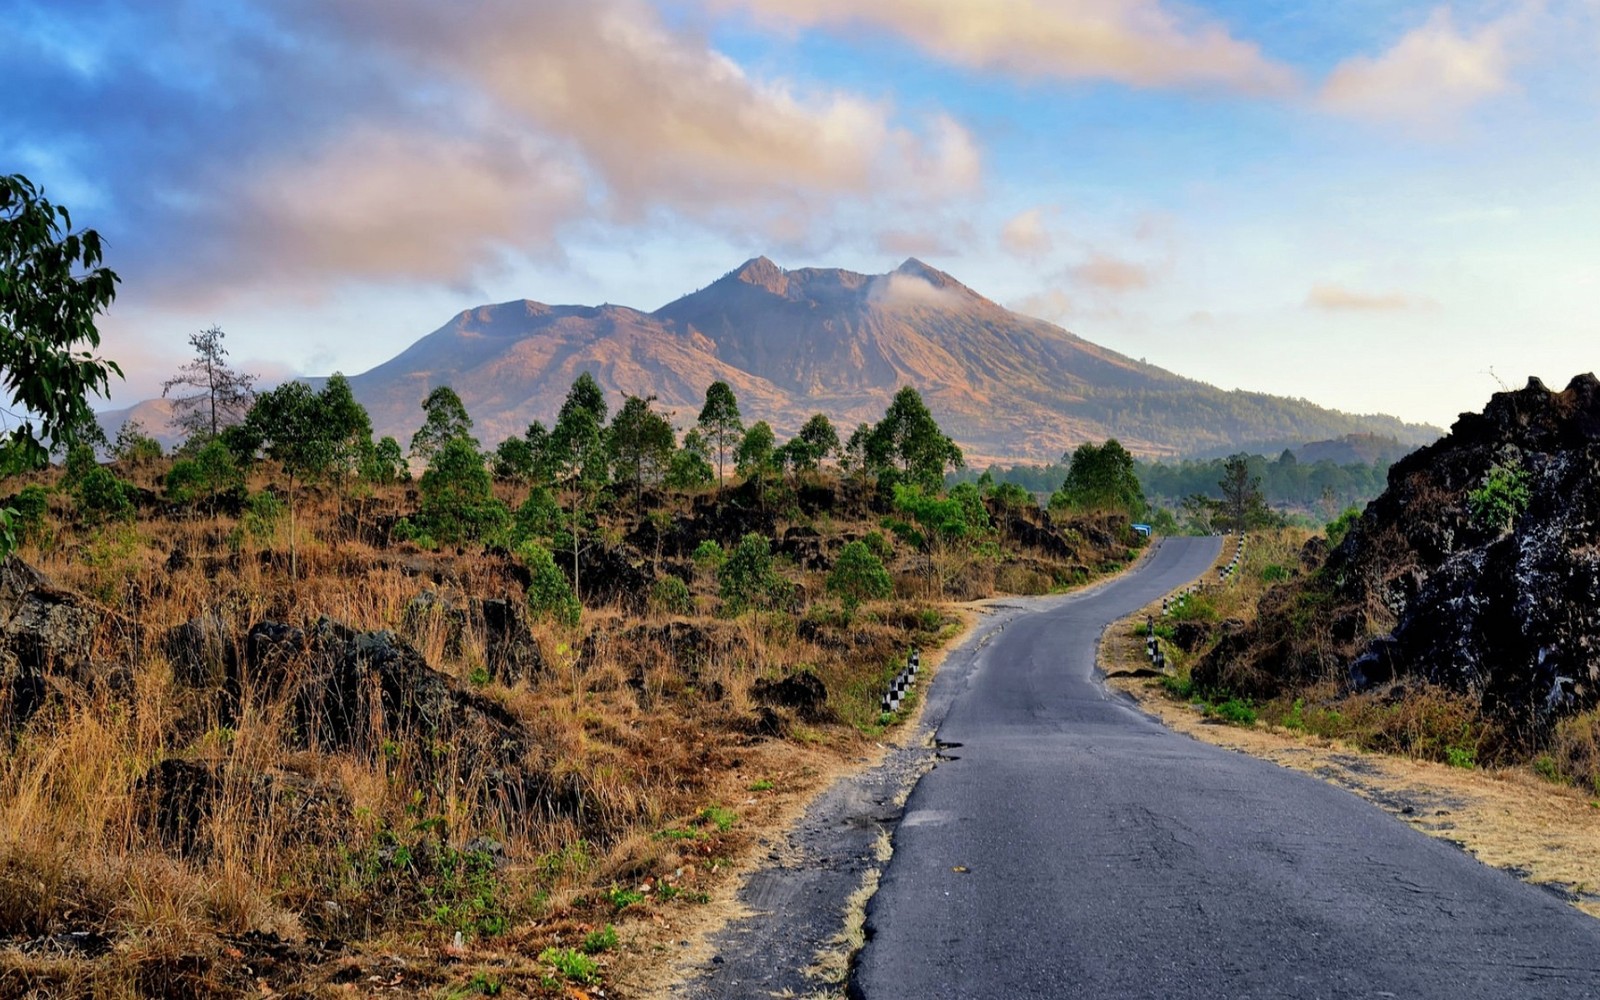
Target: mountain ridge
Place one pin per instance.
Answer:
(1005, 386)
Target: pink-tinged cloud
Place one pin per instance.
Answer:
(1142, 43)
(1112, 274)
(1027, 235)
(1337, 298)
(1432, 75)
(1051, 304)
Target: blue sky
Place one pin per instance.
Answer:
(1380, 206)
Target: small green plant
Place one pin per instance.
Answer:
(1274, 574)
(719, 817)
(549, 593)
(602, 940)
(479, 676)
(671, 596)
(859, 575)
(620, 898)
(1179, 686)
(1234, 711)
(1503, 495)
(709, 554)
(572, 964)
(262, 513)
(102, 497)
(1462, 757)
(764, 785)
(1545, 767)
(1340, 526)
(31, 504)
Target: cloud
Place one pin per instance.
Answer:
(1432, 74)
(1112, 274)
(1142, 43)
(908, 291)
(1052, 304)
(299, 146)
(1026, 235)
(1337, 298)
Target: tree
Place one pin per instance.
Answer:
(690, 467)
(815, 442)
(349, 430)
(549, 595)
(1243, 505)
(294, 430)
(938, 521)
(445, 420)
(579, 455)
(52, 288)
(641, 444)
(134, 446)
(747, 578)
(221, 396)
(858, 575)
(211, 472)
(756, 455)
(385, 463)
(1101, 478)
(909, 440)
(513, 460)
(538, 438)
(458, 501)
(719, 420)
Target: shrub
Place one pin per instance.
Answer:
(858, 576)
(880, 545)
(747, 580)
(1503, 495)
(101, 497)
(602, 940)
(572, 964)
(549, 593)
(458, 502)
(538, 517)
(262, 513)
(709, 554)
(30, 504)
(134, 446)
(1340, 526)
(671, 596)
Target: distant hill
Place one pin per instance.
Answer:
(1006, 387)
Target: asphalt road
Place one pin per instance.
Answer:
(1078, 849)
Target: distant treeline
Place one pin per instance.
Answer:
(1323, 487)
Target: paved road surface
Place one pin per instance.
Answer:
(1078, 849)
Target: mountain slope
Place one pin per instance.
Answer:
(791, 343)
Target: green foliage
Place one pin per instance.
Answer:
(134, 446)
(1196, 608)
(1243, 505)
(909, 441)
(621, 898)
(720, 817)
(939, 520)
(596, 942)
(690, 466)
(549, 594)
(880, 545)
(710, 553)
(1341, 525)
(1233, 711)
(294, 429)
(29, 507)
(102, 497)
(1013, 496)
(514, 460)
(859, 575)
(572, 965)
(348, 429)
(719, 421)
(756, 455)
(385, 463)
(815, 442)
(538, 517)
(641, 442)
(445, 419)
(671, 596)
(52, 288)
(80, 462)
(458, 501)
(747, 579)
(262, 513)
(1503, 495)
(1274, 573)
(1101, 478)
(211, 472)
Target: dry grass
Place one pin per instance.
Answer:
(304, 869)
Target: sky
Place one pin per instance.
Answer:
(1377, 205)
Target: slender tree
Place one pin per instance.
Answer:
(641, 445)
(294, 430)
(909, 440)
(1243, 504)
(218, 396)
(719, 421)
(445, 419)
(579, 455)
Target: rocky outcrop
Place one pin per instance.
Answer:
(1434, 582)
(45, 634)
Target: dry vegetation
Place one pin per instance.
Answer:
(166, 831)
(1429, 756)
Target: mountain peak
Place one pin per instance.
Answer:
(762, 273)
(915, 268)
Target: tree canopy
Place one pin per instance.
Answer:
(445, 419)
(1101, 478)
(719, 421)
(221, 397)
(909, 440)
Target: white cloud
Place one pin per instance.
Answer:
(1143, 43)
(1432, 74)
(1051, 304)
(1027, 235)
(1338, 298)
(1113, 274)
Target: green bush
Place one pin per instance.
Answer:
(858, 576)
(572, 964)
(747, 579)
(1503, 495)
(539, 517)
(101, 497)
(549, 594)
(1340, 526)
(263, 512)
(602, 940)
(31, 504)
(709, 554)
(458, 502)
(671, 596)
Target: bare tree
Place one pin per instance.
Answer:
(221, 396)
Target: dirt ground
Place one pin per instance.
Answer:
(1545, 834)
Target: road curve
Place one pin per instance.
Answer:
(1075, 848)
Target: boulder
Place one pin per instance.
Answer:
(803, 692)
(45, 633)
